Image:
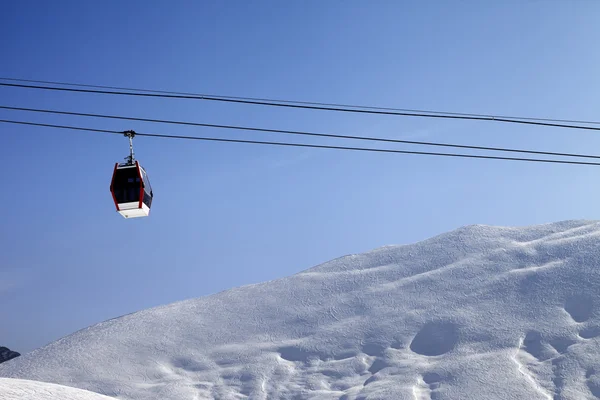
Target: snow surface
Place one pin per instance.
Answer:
(478, 313)
(19, 389)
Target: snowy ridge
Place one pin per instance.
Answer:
(480, 312)
(19, 389)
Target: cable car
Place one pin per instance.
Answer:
(130, 186)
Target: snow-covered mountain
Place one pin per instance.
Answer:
(478, 313)
(19, 389)
(7, 354)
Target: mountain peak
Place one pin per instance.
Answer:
(7, 354)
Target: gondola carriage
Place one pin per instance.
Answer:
(130, 186)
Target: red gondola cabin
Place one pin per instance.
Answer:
(131, 190)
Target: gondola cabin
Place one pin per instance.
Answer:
(131, 190)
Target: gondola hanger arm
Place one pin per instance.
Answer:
(130, 134)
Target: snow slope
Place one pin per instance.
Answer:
(477, 313)
(19, 389)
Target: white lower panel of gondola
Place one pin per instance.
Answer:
(132, 210)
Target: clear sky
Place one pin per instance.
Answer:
(226, 215)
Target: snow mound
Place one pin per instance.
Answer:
(18, 389)
(478, 313)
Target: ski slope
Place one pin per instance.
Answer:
(19, 389)
(477, 313)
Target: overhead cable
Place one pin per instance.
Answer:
(337, 105)
(316, 146)
(293, 132)
(302, 106)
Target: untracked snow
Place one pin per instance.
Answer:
(478, 313)
(19, 389)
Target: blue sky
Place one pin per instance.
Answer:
(226, 215)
